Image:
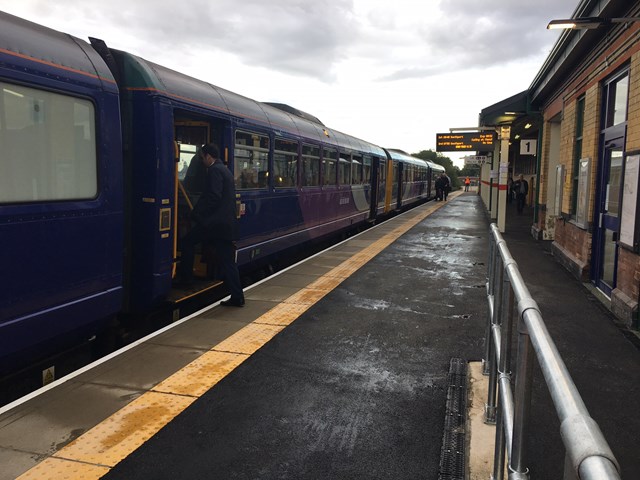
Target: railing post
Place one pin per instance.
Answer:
(490, 407)
(493, 254)
(522, 403)
(504, 370)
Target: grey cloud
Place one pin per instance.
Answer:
(408, 73)
(292, 36)
(488, 33)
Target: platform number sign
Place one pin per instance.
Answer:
(528, 146)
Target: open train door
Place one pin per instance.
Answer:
(190, 178)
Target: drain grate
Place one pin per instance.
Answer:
(453, 453)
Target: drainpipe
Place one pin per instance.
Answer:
(538, 168)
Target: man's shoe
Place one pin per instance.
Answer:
(232, 303)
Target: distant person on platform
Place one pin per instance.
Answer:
(510, 189)
(214, 217)
(448, 185)
(467, 182)
(521, 189)
(443, 186)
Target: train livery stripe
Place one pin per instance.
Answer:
(94, 453)
(56, 65)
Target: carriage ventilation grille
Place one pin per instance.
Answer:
(452, 455)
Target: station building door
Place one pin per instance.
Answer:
(609, 182)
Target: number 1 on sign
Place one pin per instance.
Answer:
(528, 147)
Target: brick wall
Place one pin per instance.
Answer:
(629, 273)
(575, 241)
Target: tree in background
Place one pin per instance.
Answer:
(470, 171)
(452, 171)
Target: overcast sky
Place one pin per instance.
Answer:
(392, 72)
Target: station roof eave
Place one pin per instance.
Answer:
(505, 111)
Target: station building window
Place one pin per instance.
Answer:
(577, 153)
(310, 175)
(48, 146)
(329, 166)
(616, 98)
(285, 163)
(251, 160)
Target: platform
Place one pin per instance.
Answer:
(335, 368)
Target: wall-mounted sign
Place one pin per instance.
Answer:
(475, 159)
(557, 207)
(457, 142)
(628, 224)
(584, 183)
(528, 146)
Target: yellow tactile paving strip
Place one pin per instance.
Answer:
(63, 469)
(92, 454)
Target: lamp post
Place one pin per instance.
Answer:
(588, 22)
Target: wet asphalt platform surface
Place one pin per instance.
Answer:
(356, 387)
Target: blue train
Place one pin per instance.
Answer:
(98, 176)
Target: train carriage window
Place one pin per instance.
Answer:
(48, 146)
(344, 169)
(310, 166)
(356, 170)
(329, 166)
(251, 160)
(366, 170)
(285, 163)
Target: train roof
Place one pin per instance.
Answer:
(143, 74)
(31, 48)
(398, 154)
(435, 166)
(295, 111)
(401, 156)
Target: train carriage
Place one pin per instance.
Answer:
(413, 176)
(61, 215)
(296, 179)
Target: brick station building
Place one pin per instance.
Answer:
(582, 116)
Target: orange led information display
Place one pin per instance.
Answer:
(457, 142)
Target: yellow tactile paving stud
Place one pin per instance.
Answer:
(249, 339)
(306, 296)
(283, 314)
(325, 283)
(342, 271)
(59, 469)
(380, 244)
(200, 375)
(123, 432)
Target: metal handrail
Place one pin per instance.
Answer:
(588, 455)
